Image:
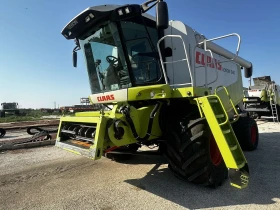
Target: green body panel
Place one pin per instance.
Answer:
(139, 116)
(149, 92)
(164, 92)
(186, 92)
(95, 151)
(264, 96)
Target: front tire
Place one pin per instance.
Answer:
(193, 154)
(247, 132)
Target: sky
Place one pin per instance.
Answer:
(36, 60)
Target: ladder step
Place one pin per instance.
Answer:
(219, 116)
(233, 147)
(240, 164)
(211, 101)
(226, 131)
(212, 107)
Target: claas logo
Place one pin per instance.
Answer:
(106, 98)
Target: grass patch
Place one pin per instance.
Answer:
(30, 115)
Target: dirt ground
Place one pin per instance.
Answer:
(50, 178)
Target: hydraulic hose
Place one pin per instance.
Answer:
(125, 111)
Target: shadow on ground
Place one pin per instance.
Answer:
(263, 188)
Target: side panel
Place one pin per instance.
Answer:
(235, 90)
(219, 70)
(177, 71)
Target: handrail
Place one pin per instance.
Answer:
(204, 42)
(221, 86)
(185, 59)
(221, 37)
(226, 115)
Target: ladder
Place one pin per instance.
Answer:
(273, 106)
(213, 110)
(274, 112)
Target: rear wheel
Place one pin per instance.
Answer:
(278, 113)
(192, 152)
(247, 133)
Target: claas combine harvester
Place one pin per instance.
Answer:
(263, 98)
(160, 83)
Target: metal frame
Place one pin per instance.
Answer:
(185, 59)
(204, 42)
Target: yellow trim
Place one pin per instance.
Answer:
(149, 92)
(73, 151)
(230, 100)
(190, 92)
(217, 119)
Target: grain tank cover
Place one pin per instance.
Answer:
(262, 80)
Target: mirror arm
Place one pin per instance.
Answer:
(76, 48)
(145, 6)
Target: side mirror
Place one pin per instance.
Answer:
(162, 15)
(248, 72)
(74, 59)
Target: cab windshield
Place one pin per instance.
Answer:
(106, 65)
(106, 60)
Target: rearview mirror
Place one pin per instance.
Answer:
(74, 58)
(162, 15)
(248, 72)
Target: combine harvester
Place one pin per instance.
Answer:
(160, 83)
(263, 98)
(10, 108)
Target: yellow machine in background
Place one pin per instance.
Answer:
(263, 98)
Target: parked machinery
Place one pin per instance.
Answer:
(263, 98)
(164, 84)
(11, 108)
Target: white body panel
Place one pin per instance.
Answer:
(219, 70)
(107, 97)
(254, 93)
(177, 72)
(224, 73)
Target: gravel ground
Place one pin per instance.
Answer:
(50, 178)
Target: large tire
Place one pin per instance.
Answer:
(192, 151)
(247, 132)
(278, 113)
(2, 114)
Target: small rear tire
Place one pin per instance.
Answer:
(247, 132)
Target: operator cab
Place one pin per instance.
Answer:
(119, 46)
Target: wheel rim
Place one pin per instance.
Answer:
(253, 134)
(215, 153)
